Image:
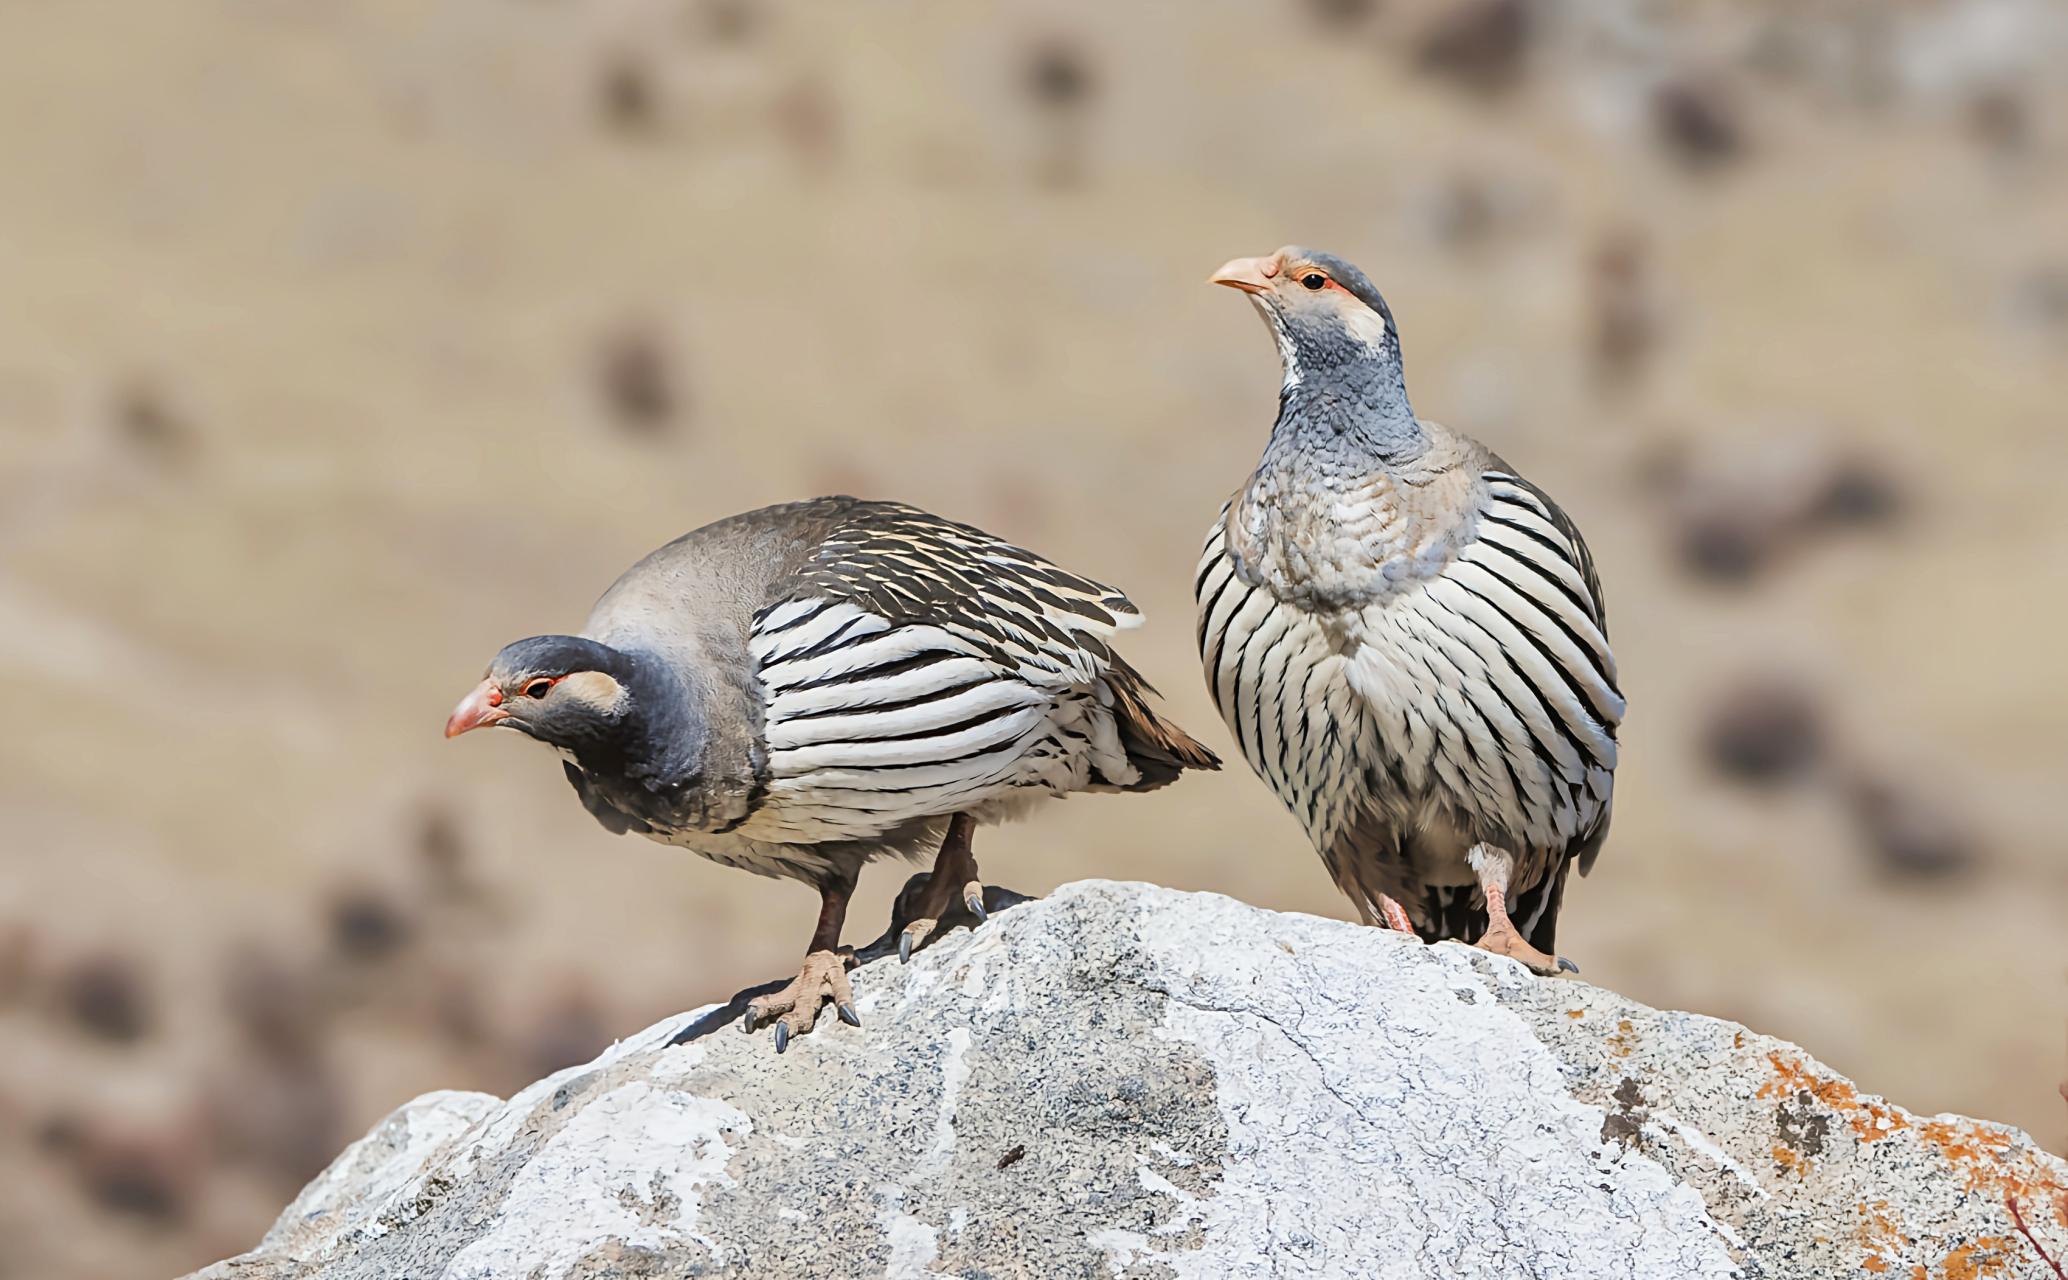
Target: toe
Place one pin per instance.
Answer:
(914, 935)
(973, 899)
(1513, 946)
(839, 990)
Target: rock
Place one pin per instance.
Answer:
(1122, 1080)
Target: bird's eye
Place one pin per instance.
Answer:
(1314, 280)
(538, 688)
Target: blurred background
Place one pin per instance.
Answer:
(342, 341)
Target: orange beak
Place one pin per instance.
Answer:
(1251, 275)
(482, 707)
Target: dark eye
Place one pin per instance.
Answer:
(538, 688)
(1314, 280)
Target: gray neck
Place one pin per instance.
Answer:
(1344, 399)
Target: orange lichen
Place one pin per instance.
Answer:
(1575, 1013)
(1984, 1257)
(1624, 1041)
(1993, 1164)
(1877, 1233)
(1870, 1119)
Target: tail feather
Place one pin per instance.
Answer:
(1158, 749)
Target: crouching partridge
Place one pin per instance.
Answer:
(799, 690)
(1406, 637)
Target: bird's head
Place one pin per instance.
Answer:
(563, 690)
(1327, 317)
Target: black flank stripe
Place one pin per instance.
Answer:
(1522, 554)
(1306, 717)
(1573, 685)
(1251, 703)
(1214, 666)
(835, 641)
(1284, 738)
(943, 732)
(1537, 745)
(1587, 650)
(1206, 611)
(875, 708)
(1549, 544)
(798, 621)
(887, 670)
(1493, 728)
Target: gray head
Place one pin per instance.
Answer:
(568, 692)
(1343, 376)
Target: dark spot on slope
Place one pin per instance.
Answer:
(366, 925)
(1699, 119)
(107, 997)
(1478, 43)
(637, 379)
(1764, 731)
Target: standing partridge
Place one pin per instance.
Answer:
(1406, 637)
(798, 690)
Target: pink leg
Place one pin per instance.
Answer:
(1501, 936)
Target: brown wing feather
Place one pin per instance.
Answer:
(1154, 745)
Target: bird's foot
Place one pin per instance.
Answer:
(1507, 942)
(796, 1007)
(937, 903)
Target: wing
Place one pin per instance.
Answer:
(916, 667)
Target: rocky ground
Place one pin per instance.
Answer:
(1125, 1080)
(341, 343)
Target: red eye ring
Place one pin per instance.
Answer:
(539, 688)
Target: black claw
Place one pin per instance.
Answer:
(975, 903)
(904, 948)
(1567, 965)
(848, 1015)
(747, 1022)
(782, 1036)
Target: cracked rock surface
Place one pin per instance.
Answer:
(1121, 1080)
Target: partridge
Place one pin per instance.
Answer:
(799, 690)
(1406, 637)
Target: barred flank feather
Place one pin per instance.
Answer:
(916, 667)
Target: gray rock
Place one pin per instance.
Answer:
(1121, 1080)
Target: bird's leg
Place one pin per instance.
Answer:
(954, 875)
(1396, 916)
(1493, 867)
(824, 976)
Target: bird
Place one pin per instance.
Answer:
(799, 690)
(1406, 638)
